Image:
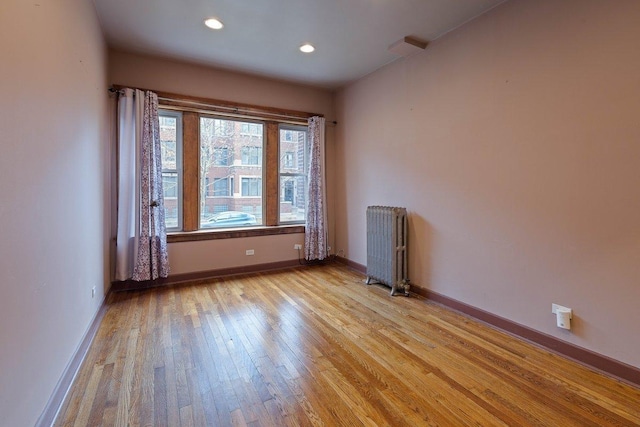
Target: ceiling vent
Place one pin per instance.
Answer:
(407, 46)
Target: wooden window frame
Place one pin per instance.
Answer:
(192, 108)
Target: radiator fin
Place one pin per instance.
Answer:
(387, 247)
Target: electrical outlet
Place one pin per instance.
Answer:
(93, 292)
(249, 252)
(556, 307)
(297, 246)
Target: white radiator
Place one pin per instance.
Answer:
(387, 247)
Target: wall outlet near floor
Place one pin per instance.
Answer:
(250, 252)
(297, 246)
(93, 292)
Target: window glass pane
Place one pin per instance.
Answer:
(292, 151)
(292, 198)
(170, 189)
(170, 185)
(230, 173)
(170, 146)
(293, 174)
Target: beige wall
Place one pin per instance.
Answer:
(53, 212)
(514, 143)
(188, 79)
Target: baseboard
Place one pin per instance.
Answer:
(352, 265)
(56, 400)
(129, 285)
(604, 364)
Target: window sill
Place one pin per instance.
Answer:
(235, 233)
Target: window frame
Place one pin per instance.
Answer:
(192, 108)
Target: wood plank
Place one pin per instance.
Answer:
(271, 174)
(190, 171)
(87, 403)
(316, 347)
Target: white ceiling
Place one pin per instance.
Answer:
(263, 36)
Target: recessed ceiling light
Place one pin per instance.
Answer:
(307, 48)
(213, 23)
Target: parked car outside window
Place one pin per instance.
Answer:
(229, 219)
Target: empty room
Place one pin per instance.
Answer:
(320, 213)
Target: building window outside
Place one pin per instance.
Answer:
(170, 154)
(286, 135)
(221, 187)
(251, 187)
(253, 129)
(288, 188)
(221, 128)
(251, 155)
(293, 173)
(287, 160)
(221, 156)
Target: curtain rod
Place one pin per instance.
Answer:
(236, 111)
(239, 109)
(232, 115)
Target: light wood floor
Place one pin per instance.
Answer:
(315, 346)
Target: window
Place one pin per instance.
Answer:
(251, 187)
(252, 170)
(286, 135)
(221, 187)
(252, 129)
(221, 128)
(287, 190)
(293, 173)
(251, 155)
(221, 156)
(287, 160)
(218, 172)
(170, 153)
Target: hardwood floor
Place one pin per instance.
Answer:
(315, 346)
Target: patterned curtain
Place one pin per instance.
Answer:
(141, 248)
(315, 238)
